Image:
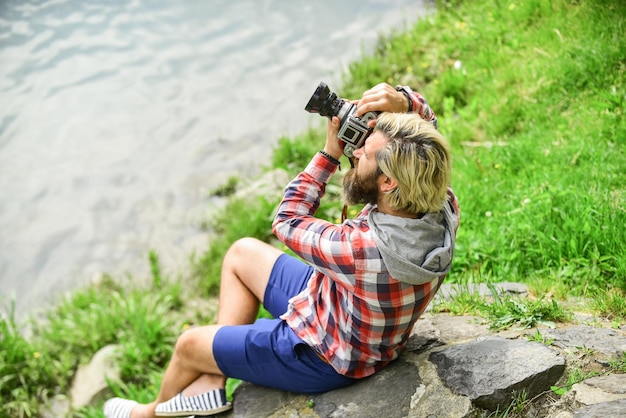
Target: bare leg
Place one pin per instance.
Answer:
(245, 273)
(193, 358)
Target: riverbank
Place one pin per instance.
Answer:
(531, 97)
(453, 367)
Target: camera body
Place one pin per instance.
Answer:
(352, 129)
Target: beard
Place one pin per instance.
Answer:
(359, 189)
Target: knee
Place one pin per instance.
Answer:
(194, 349)
(188, 344)
(185, 344)
(247, 244)
(241, 249)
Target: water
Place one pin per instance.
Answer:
(118, 117)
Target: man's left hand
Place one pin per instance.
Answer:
(334, 146)
(382, 98)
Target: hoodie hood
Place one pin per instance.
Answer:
(416, 251)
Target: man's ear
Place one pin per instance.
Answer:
(386, 183)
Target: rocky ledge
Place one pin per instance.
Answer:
(455, 367)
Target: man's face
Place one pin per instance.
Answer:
(360, 184)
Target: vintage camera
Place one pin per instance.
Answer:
(352, 130)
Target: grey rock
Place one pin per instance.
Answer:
(492, 370)
(556, 407)
(600, 389)
(59, 406)
(614, 409)
(454, 329)
(387, 393)
(611, 342)
(432, 398)
(91, 379)
(253, 401)
(561, 414)
(448, 329)
(449, 291)
(424, 335)
(453, 367)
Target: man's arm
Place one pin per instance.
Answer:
(319, 242)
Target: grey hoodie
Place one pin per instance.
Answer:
(416, 251)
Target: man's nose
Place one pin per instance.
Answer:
(357, 153)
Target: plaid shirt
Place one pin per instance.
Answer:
(352, 312)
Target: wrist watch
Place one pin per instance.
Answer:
(407, 93)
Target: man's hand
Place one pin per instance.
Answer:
(382, 98)
(334, 146)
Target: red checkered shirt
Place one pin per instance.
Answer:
(352, 312)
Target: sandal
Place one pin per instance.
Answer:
(118, 408)
(209, 403)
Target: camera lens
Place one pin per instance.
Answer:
(317, 99)
(323, 101)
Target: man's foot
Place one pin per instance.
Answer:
(118, 408)
(209, 403)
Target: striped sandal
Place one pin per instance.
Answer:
(209, 403)
(118, 408)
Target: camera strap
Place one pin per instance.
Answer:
(344, 211)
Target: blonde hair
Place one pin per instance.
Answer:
(417, 156)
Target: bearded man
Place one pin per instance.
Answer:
(344, 308)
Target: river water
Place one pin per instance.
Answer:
(118, 117)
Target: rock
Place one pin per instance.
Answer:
(601, 389)
(90, 379)
(611, 342)
(448, 291)
(432, 398)
(257, 401)
(59, 406)
(397, 384)
(492, 370)
(562, 414)
(448, 329)
(424, 335)
(453, 367)
(614, 409)
(555, 407)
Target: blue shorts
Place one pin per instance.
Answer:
(268, 352)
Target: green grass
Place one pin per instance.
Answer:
(534, 110)
(610, 304)
(618, 364)
(139, 320)
(531, 95)
(503, 311)
(253, 219)
(525, 313)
